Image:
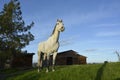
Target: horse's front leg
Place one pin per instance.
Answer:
(39, 64)
(47, 66)
(40, 61)
(54, 58)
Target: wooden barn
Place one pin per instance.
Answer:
(70, 57)
(21, 60)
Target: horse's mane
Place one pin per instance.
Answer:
(53, 30)
(55, 27)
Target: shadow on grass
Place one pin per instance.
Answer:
(100, 72)
(117, 79)
(12, 75)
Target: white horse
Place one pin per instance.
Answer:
(50, 47)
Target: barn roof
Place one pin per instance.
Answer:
(70, 51)
(24, 54)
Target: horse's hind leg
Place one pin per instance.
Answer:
(39, 61)
(47, 66)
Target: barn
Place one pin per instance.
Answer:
(70, 57)
(22, 60)
(19, 60)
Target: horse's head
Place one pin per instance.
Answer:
(60, 26)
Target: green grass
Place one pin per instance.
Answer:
(106, 71)
(9, 71)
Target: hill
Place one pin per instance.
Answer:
(106, 71)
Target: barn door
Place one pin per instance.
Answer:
(69, 61)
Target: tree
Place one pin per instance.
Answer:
(14, 35)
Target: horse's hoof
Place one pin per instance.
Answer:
(38, 70)
(47, 71)
(53, 70)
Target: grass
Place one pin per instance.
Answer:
(8, 71)
(106, 71)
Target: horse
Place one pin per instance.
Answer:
(50, 47)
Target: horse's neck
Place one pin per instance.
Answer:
(56, 35)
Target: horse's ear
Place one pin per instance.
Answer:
(57, 20)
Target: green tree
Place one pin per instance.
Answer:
(14, 35)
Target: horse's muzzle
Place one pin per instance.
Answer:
(62, 29)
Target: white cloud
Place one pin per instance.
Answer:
(90, 50)
(102, 12)
(107, 34)
(78, 18)
(105, 25)
(68, 40)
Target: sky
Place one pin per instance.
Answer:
(92, 27)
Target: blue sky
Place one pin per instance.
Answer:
(92, 27)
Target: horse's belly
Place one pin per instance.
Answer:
(48, 48)
(52, 49)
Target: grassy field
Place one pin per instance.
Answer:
(106, 71)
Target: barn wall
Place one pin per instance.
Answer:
(62, 58)
(82, 60)
(22, 61)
